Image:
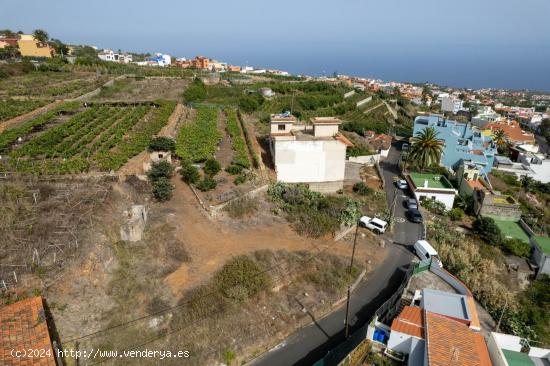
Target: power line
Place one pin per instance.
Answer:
(168, 308)
(134, 347)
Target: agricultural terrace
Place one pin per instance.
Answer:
(238, 143)
(51, 84)
(100, 137)
(10, 108)
(197, 141)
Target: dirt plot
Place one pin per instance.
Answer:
(108, 281)
(143, 89)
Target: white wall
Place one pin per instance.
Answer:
(310, 161)
(400, 342)
(447, 199)
(369, 160)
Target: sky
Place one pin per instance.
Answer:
(470, 43)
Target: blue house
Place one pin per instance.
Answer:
(462, 142)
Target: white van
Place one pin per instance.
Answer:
(424, 250)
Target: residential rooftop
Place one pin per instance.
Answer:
(435, 181)
(544, 243)
(23, 326)
(326, 120)
(450, 342)
(517, 358)
(410, 321)
(445, 303)
(510, 228)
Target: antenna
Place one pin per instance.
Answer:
(455, 352)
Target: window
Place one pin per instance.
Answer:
(282, 127)
(161, 156)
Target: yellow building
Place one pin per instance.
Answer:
(30, 47)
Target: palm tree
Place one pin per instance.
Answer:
(426, 148)
(41, 35)
(500, 139)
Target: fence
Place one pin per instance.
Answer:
(387, 310)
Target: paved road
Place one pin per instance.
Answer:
(313, 342)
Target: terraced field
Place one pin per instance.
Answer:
(50, 85)
(100, 137)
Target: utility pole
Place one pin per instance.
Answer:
(354, 244)
(347, 314)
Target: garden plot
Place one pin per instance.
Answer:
(101, 137)
(10, 108)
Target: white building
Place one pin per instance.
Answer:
(314, 154)
(506, 350)
(451, 104)
(111, 56)
(427, 186)
(160, 59)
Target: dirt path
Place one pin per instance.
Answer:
(170, 130)
(225, 151)
(32, 114)
(211, 243)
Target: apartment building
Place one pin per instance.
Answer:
(31, 47)
(463, 142)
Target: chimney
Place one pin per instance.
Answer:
(426, 183)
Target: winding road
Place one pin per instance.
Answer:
(313, 342)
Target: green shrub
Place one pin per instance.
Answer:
(241, 278)
(196, 92)
(234, 169)
(434, 206)
(162, 143)
(455, 214)
(362, 189)
(311, 213)
(161, 169)
(240, 179)
(206, 184)
(242, 206)
(488, 230)
(517, 247)
(190, 174)
(162, 189)
(251, 103)
(212, 167)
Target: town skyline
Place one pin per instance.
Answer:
(479, 50)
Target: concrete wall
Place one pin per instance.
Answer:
(326, 187)
(408, 345)
(310, 161)
(540, 259)
(496, 355)
(322, 130)
(368, 160)
(363, 101)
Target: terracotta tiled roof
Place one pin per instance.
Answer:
(343, 139)
(450, 342)
(475, 184)
(410, 321)
(22, 327)
(513, 130)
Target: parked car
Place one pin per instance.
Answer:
(424, 250)
(401, 184)
(411, 203)
(414, 215)
(405, 146)
(376, 225)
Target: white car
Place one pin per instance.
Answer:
(401, 184)
(376, 225)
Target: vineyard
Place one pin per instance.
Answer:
(10, 108)
(101, 137)
(197, 141)
(50, 85)
(237, 141)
